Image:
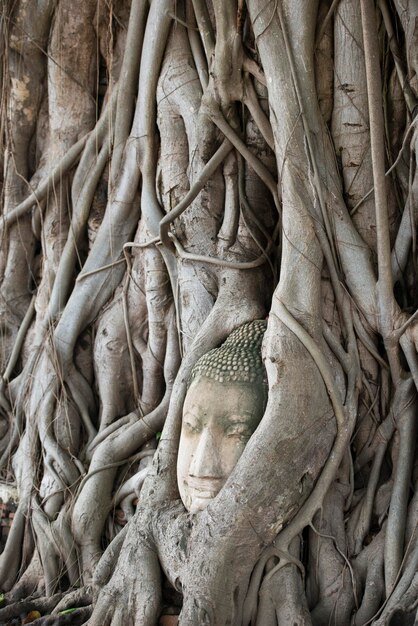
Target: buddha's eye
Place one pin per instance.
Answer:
(239, 431)
(192, 427)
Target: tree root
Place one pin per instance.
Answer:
(43, 605)
(170, 146)
(75, 618)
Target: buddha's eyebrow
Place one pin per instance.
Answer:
(240, 418)
(194, 416)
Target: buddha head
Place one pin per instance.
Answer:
(225, 401)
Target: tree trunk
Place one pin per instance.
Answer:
(172, 171)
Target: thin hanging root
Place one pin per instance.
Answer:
(125, 461)
(109, 430)
(129, 338)
(109, 266)
(342, 555)
(81, 210)
(27, 320)
(410, 98)
(206, 173)
(259, 167)
(205, 28)
(182, 22)
(384, 287)
(405, 578)
(235, 265)
(260, 118)
(395, 531)
(129, 244)
(250, 602)
(11, 557)
(256, 583)
(260, 247)
(392, 167)
(47, 549)
(47, 183)
(244, 204)
(82, 404)
(324, 24)
(128, 82)
(196, 47)
(97, 138)
(364, 521)
(132, 244)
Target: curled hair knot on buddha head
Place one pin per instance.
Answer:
(238, 359)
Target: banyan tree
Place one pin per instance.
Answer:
(172, 174)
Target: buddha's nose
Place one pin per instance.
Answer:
(206, 461)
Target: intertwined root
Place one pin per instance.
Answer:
(151, 137)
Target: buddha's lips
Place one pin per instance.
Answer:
(205, 487)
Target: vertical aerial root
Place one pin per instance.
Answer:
(128, 82)
(275, 595)
(66, 546)
(395, 532)
(369, 569)
(404, 595)
(359, 525)
(46, 546)
(285, 590)
(88, 524)
(11, 556)
(81, 209)
(254, 161)
(83, 397)
(402, 405)
(198, 184)
(260, 118)
(51, 181)
(23, 329)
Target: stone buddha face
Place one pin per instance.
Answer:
(223, 406)
(218, 420)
